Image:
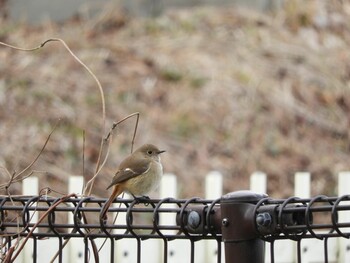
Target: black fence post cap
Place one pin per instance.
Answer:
(243, 196)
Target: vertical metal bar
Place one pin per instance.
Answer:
(239, 228)
(299, 251)
(192, 250)
(60, 250)
(112, 250)
(9, 241)
(218, 251)
(138, 250)
(326, 250)
(165, 251)
(272, 251)
(86, 250)
(35, 250)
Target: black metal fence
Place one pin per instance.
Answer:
(241, 221)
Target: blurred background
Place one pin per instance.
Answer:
(235, 87)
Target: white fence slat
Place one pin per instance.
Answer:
(258, 182)
(344, 183)
(104, 254)
(312, 250)
(168, 188)
(75, 184)
(213, 185)
(75, 245)
(282, 252)
(151, 250)
(46, 249)
(178, 250)
(206, 251)
(125, 249)
(285, 251)
(30, 186)
(302, 190)
(302, 184)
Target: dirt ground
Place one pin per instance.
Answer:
(221, 89)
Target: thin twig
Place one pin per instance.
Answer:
(83, 171)
(90, 183)
(76, 58)
(135, 130)
(6, 171)
(17, 222)
(27, 175)
(109, 137)
(41, 151)
(62, 199)
(122, 120)
(98, 163)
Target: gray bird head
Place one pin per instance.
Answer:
(150, 150)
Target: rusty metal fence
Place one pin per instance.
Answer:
(243, 222)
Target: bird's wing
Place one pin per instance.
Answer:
(125, 172)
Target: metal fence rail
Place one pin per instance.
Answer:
(295, 218)
(243, 221)
(320, 217)
(87, 208)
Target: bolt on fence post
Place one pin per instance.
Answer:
(238, 228)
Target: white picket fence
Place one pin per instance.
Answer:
(206, 250)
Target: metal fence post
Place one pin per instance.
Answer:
(239, 228)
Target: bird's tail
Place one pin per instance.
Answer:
(116, 191)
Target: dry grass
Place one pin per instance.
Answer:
(222, 89)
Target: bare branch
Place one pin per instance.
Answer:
(89, 185)
(20, 176)
(12, 259)
(83, 168)
(98, 164)
(76, 58)
(6, 171)
(114, 126)
(37, 157)
(27, 175)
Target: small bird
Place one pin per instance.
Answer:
(138, 174)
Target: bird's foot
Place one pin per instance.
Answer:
(142, 199)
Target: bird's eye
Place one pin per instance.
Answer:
(149, 152)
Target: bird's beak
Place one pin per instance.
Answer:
(159, 152)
